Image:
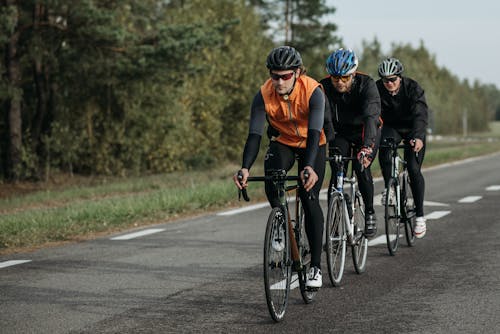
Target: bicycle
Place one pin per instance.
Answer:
(398, 200)
(345, 222)
(286, 247)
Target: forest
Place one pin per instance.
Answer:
(136, 87)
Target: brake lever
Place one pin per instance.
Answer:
(242, 192)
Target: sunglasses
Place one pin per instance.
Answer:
(392, 79)
(343, 78)
(285, 77)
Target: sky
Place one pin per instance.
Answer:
(464, 36)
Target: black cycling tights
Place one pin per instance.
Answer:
(280, 156)
(414, 166)
(365, 179)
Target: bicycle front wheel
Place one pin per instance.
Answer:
(408, 210)
(305, 256)
(391, 217)
(277, 268)
(360, 246)
(335, 239)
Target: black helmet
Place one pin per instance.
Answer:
(390, 66)
(284, 58)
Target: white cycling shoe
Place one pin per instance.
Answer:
(314, 278)
(420, 227)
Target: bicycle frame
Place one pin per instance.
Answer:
(341, 180)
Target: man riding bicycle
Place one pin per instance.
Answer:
(404, 113)
(355, 111)
(294, 105)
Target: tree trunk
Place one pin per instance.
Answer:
(14, 111)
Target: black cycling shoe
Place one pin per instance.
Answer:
(370, 225)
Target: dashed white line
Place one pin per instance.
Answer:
(493, 188)
(138, 234)
(244, 209)
(437, 214)
(470, 199)
(12, 263)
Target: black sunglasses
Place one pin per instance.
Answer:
(285, 77)
(391, 79)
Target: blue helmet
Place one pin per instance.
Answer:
(342, 62)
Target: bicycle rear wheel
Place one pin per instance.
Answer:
(305, 256)
(335, 239)
(277, 268)
(391, 217)
(360, 247)
(408, 210)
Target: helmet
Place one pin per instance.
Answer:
(283, 58)
(342, 62)
(390, 66)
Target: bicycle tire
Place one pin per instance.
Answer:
(277, 268)
(335, 244)
(391, 219)
(360, 247)
(408, 210)
(305, 256)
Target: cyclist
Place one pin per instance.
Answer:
(355, 106)
(294, 106)
(404, 113)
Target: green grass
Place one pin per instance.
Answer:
(90, 207)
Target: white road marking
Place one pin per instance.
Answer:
(12, 263)
(470, 199)
(493, 188)
(429, 203)
(382, 239)
(377, 200)
(138, 234)
(281, 285)
(437, 214)
(244, 209)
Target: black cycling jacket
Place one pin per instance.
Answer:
(406, 111)
(355, 112)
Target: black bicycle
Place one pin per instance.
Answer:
(345, 221)
(286, 247)
(398, 200)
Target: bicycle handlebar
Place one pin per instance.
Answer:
(277, 176)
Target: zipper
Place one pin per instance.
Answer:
(292, 120)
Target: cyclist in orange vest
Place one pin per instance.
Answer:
(294, 106)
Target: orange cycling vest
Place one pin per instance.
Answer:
(290, 115)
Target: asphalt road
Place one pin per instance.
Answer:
(205, 275)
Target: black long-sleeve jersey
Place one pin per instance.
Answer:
(356, 111)
(406, 111)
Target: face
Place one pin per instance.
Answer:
(283, 80)
(342, 84)
(392, 83)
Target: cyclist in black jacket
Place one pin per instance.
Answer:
(404, 113)
(354, 104)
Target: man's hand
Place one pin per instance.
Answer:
(364, 156)
(241, 183)
(417, 144)
(311, 180)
